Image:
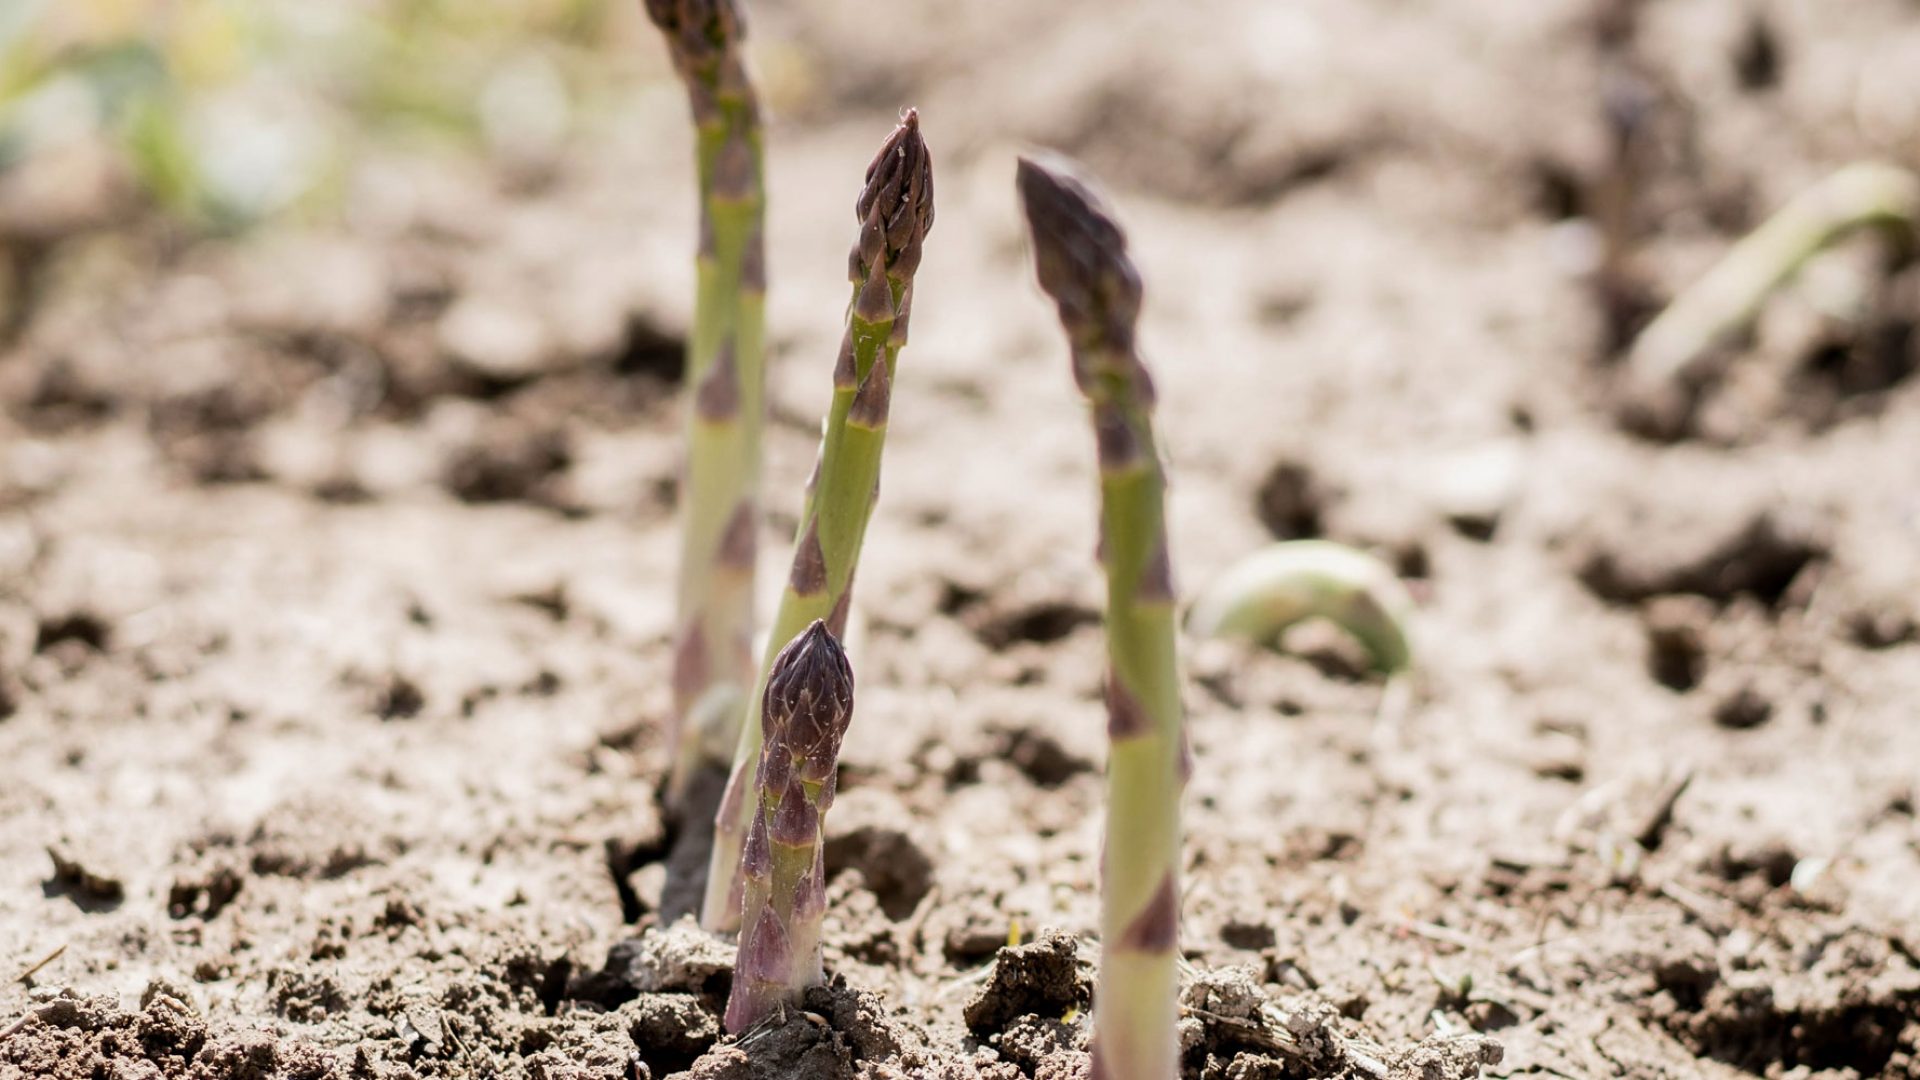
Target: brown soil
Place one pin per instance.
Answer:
(335, 574)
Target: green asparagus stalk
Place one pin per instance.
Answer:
(1291, 582)
(726, 370)
(1081, 257)
(803, 715)
(895, 211)
(1726, 300)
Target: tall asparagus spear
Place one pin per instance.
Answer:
(713, 650)
(804, 713)
(895, 210)
(1081, 257)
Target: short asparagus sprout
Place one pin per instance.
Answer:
(1291, 582)
(804, 714)
(1726, 300)
(1082, 262)
(895, 211)
(726, 371)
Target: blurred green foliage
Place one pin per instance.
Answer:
(228, 111)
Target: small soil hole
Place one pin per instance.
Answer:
(898, 872)
(206, 896)
(1040, 757)
(79, 626)
(1290, 502)
(1757, 59)
(508, 463)
(1041, 623)
(956, 598)
(1743, 709)
(1558, 191)
(1677, 641)
(652, 353)
(400, 699)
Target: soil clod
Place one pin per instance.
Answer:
(1043, 978)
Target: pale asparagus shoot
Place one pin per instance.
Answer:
(1726, 300)
(895, 211)
(725, 372)
(1288, 583)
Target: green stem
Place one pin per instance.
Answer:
(789, 901)
(1133, 1019)
(833, 526)
(725, 410)
(895, 210)
(1081, 257)
(726, 380)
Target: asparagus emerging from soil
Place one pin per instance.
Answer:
(1861, 195)
(895, 211)
(1081, 257)
(808, 702)
(713, 649)
(1262, 595)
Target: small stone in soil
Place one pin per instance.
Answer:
(1290, 502)
(1245, 933)
(1745, 708)
(75, 877)
(1677, 640)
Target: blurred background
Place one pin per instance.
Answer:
(339, 357)
(228, 114)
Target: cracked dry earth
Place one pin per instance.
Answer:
(335, 574)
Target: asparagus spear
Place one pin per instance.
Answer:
(1081, 256)
(713, 650)
(1286, 583)
(895, 211)
(1864, 194)
(804, 713)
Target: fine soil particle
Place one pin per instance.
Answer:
(337, 574)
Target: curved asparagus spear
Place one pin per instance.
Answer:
(895, 210)
(1283, 584)
(804, 713)
(1864, 194)
(713, 648)
(1081, 256)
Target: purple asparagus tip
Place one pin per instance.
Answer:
(698, 26)
(810, 697)
(1080, 253)
(895, 206)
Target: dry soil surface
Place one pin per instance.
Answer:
(336, 564)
